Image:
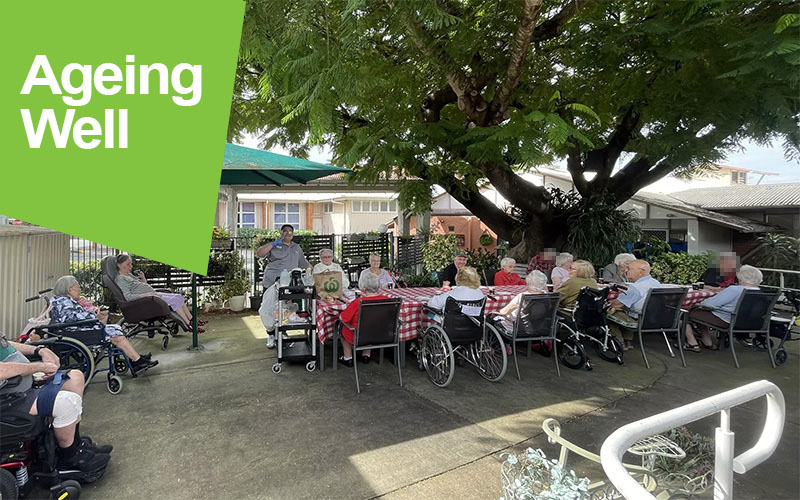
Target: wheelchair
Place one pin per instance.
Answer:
(84, 349)
(464, 332)
(150, 315)
(28, 451)
(587, 321)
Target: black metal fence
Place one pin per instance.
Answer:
(352, 251)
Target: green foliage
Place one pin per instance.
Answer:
(598, 230)
(438, 251)
(262, 236)
(88, 274)
(481, 260)
(679, 268)
(486, 239)
(531, 476)
(652, 249)
(698, 462)
(779, 251)
(231, 264)
(220, 233)
(420, 280)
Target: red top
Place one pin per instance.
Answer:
(350, 314)
(504, 278)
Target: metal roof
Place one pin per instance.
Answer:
(743, 196)
(732, 221)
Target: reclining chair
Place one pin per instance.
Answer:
(145, 314)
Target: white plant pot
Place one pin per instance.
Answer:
(236, 303)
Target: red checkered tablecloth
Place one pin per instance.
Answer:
(692, 298)
(411, 315)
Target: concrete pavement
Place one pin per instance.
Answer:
(219, 424)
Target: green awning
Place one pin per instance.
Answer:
(247, 166)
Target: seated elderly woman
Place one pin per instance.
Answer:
(61, 397)
(327, 264)
(615, 272)
(506, 275)
(467, 288)
(581, 275)
(717, 310)
(537, 283)
(135, 287)
(370, 286)
(375, 268)
(65, 308)
(560, 273)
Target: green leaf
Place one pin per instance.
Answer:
(785, 21)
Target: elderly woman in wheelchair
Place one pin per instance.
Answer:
(66, 309)
(460, 328)
(58, 403)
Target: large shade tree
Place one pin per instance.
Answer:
(461, 93)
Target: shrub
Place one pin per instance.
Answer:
(220, 233)
(420, 280)
(598, 230)
(438, 251)
(89, 278)
(481, 260)
(261, 236)
(679, 268)
(779, 251)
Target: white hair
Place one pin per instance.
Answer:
(749, 275)
(506, 261)
(324, 251)
(537, 280)
(563, 258)
(624, 258)
(370, 283)
(63, 284)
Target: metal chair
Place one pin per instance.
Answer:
(488, 276)
(377, 326)
(536, 322)
(752, 315)
(662, 313)
(587, 320)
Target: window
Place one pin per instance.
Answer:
(286, 213)
(247, 214)
(375, 206)
(738, 177)
(327, 207)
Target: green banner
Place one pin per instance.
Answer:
(114, 117)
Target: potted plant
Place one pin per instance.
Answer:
(220, 239)
(235, 292)
(486, 239)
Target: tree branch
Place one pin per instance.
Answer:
(576, 168)
(523, 194)
(519, 49)
(552, 27)
(640, 176)
(434, 102)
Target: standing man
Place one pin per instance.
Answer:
(624, 311)
(448, 275)
(283, 254)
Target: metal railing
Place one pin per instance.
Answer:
(781, 276)
(725, 464)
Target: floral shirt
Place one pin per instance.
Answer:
(66, 310)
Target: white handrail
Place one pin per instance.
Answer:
(615, 446)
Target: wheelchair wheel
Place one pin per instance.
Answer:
(74, 355)
(114, 384)
(120, 364)
(490, 355)
(611, 351)
(571, 354)
(780, 356)
(437, 356)
(68, 490)
(165, 342)
(8, 485)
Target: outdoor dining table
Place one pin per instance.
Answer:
(693, 297)
(411, 314)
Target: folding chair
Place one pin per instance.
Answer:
(536, 322)
(662, 313)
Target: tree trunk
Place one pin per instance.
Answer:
(543, 231)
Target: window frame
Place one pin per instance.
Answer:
(240, 212)
(286, 213)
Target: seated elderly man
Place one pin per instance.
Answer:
(326, 264)
(718, 310)
(60, 397)
(722, 273)
(448, 275)
(506, 274)
(624, 311)
(615, 272)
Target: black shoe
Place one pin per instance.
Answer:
(87, 442)
(142, 364)
(84, 460)
(146, 356)
(364, 359)
(346, 362)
